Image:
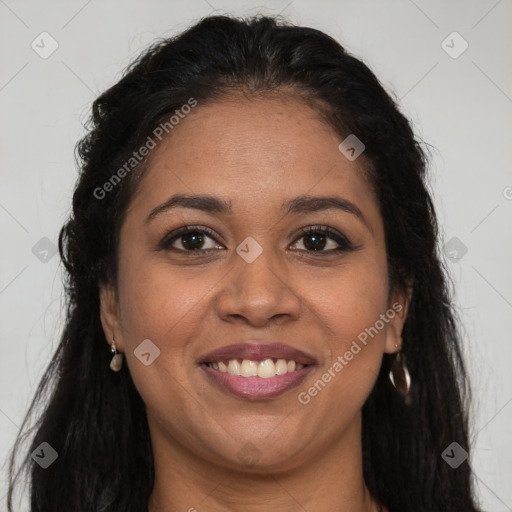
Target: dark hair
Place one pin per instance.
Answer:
(95, 419)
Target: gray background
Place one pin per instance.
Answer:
(461, 106)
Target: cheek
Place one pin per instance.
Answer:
(352, 299)
(347, 309)
(158, 303)
(169, 307)
(163, 306)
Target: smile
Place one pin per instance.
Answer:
(255, 380)
(248, 368)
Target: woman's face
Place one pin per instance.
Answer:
(253, 278)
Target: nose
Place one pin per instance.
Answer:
(258, 292)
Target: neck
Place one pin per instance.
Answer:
(331, 481)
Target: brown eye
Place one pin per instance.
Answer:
(189, 240)
(317, 238)
(192, 241)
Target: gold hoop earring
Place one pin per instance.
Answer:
(399, 375)
(117, 361)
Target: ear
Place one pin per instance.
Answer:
(397, 313)
(110, 317)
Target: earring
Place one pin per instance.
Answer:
(399, 375)
(117, 360)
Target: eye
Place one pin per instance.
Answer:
(316, 239)
(189, 239)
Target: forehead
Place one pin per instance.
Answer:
(256, 152)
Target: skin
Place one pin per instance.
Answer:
(255, 152)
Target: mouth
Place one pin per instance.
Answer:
(256, 371)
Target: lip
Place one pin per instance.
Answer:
(256, 387)
(257, 352)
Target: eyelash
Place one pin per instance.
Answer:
(341, 240)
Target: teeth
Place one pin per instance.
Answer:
(265, 369)
(234, 367)
(249, 368)
(281, 367)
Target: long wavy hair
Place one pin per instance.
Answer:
(95, 419)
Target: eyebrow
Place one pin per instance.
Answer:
(300, 204)
(206, 203)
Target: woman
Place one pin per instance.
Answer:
(258, 315)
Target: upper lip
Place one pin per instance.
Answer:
(257, 352)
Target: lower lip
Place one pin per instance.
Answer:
(257, 387)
